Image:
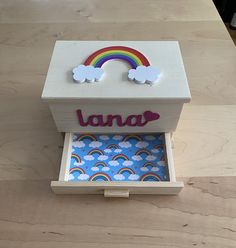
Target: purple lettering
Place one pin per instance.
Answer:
(95, 121)
(81, 119)
(118, 119)
(109, 120)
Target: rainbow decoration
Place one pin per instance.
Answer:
(100, 164)
(141, 71)
(120, 156)
(158, 146)
(150, 177)
(87, 136)
(126, 169)
(143, 151)
(100, 177)
(133, 57)
(149, 164)
(95, 151)
(162, 158)
(112, 146)
(77, 169)
(136, 137)
(76, 157)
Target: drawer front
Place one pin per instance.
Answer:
(112, 189)
(117, 118)
(117, 165)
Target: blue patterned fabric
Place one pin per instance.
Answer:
(118, 157)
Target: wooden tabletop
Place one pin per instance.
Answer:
(203, 215)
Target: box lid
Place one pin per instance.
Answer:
(172, 85)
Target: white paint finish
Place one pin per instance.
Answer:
(66, 157)
(144, 74)
(66, 120)
(169, 157)
(87, 74)
(115, 189)
(164, 55)
(140, 188)
(114, 193)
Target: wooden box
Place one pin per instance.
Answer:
(140, 98)
(161, 103)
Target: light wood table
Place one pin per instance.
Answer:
(203, 215)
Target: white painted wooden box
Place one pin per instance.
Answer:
(101, 90)
(140, 107)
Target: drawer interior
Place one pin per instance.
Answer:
(123, 157)
(113, 161)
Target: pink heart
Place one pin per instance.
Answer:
(150, 116)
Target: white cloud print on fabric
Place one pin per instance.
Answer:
(94, 168)
(117, 137)
(142, 144)
(104, 137)
(144, 74)
(127, 163)
(119, 177)
(83, 177)
(154, 150)
(105, 168)
(102, 157)
(107, 150)
(95, 144)
(150, 158)
(133, 177)
(78, 144)
(89, 74)
(71, 177)
(161, 163)
(144, 169)
(125, 144)
(137, 158)
(89, 157)
(113, 163)
(79, 163)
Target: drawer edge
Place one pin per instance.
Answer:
(152, 188)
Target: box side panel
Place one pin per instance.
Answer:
(114, 118)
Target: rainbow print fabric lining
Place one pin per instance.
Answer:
(118, 157)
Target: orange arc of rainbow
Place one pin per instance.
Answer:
(100, 164)
(112, 146)
(150, 175)
(122, 156)
(75, 169)
(128, 137)
(102, 175)
(123, 170)
(93, 151)
(76, 157)
(141, 151)
(87, 136)
(149, 163)
(158, 146)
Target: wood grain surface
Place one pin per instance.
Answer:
(203, 215)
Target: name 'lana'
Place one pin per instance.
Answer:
(100, 120)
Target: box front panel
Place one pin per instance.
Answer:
(116, 117)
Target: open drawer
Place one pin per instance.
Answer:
(117, 165)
